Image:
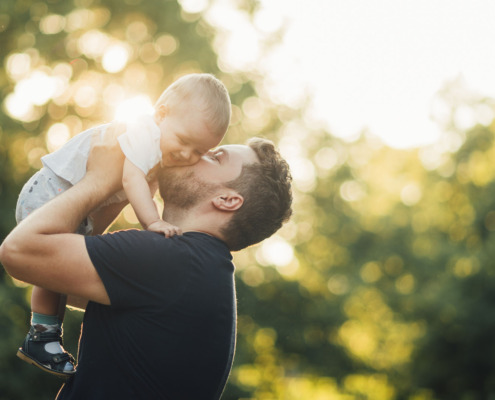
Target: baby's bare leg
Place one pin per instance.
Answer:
(44, 301)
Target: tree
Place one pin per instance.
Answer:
(66, 67)
(380, 285)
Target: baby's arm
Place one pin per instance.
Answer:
(139, 195)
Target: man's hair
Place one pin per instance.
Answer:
(266, 189)
(208, 94)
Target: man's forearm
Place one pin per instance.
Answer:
(63, 214)
(42, 251)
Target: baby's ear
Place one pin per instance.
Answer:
(230, 201)
(161, 113)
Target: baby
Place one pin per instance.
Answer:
(191, 117)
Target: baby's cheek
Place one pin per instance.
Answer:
(167, 161)
(195, 160)
(165, 151)
(172, 162)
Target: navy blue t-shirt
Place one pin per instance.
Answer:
(169, 332)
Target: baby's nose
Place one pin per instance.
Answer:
(185, 155)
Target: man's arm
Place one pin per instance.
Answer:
(104, 217)
(41, 251)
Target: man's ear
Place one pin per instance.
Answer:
(229, 201)
(160, 113)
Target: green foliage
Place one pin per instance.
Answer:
(388, 294)
(50, 39)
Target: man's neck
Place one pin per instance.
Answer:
(194, 221)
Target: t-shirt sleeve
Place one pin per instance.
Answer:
(141, 143)
(137, 268)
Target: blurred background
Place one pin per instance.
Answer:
(382, 285)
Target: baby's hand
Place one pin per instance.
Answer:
(165, 228)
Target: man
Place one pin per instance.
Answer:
(160, 321)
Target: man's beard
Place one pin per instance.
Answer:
(181, 188)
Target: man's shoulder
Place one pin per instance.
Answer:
(128, 237)
(135, 238)
(133, 247)
(190, 242)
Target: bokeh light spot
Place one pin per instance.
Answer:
(78, 19)
(193, 6)
(17, 107)
(137, 31)
(167, 44)
(371, 272)
(326, 158)
(338, 284)
(37, 89)
(18, 65)
(131, 108)
(303, 173)
(93, 43)
(275, 251)
(85, 96)
(352, 191)
(52, 24)
(57, 136)
(149, 53)
(115, 58)
(253, 275)
(405, 284)
(410, 194)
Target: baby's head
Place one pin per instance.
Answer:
(193, 115)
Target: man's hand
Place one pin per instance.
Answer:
(106, 160)
(165, 228)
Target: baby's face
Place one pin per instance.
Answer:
(185, 138)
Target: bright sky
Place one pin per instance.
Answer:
(365, 64)
(379, 63)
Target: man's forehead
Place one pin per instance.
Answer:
(233, 147)
(242, 151)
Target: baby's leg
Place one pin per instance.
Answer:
(43, 343)
(44, 301)
(42, 346)
(48, 303)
